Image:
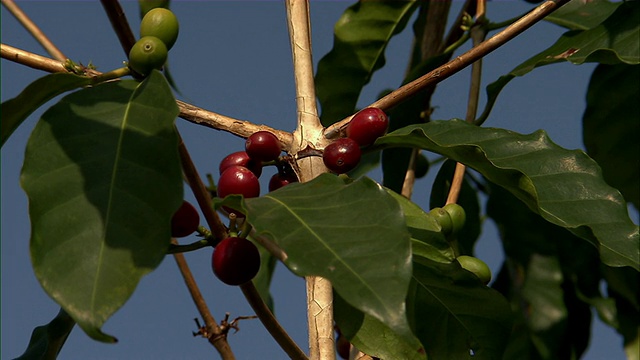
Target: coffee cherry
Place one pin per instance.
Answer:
(146, 5)
(279, 180)
(342, 155)
(367, 125)
(147, 54)
(161, 23)
(443, 218)
(263, 146)
(458, 216)
(235, 261)
(476, 266)
(238, 180)
(241, 158)
(343, 346)
(185, 220)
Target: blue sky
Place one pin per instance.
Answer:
(234, 58)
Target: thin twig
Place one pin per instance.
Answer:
(270, 323)
(478, 33)
(308, 133)
(445, 71)
(31, 60)
(28, 24)
(214, 333)
(119, 23)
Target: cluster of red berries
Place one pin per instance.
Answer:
(239, 171)
(343, 155)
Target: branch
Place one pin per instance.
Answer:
(214, 333)
(34, 30)
(119, 23)
(443, 72)
(270, 323)
(31, 60)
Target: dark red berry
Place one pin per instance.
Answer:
(343, 347)
(263, 146)
(241, 158)
(368, 125)
(279, 180)
(341, 155)
(185, 220)
(238, 180)
(235, 261)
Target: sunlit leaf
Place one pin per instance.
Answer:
(564, 186)
(102, 174)
(16, 110)
(361, 36)
(352, 234)
(611, 128)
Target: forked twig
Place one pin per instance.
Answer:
(28, 24)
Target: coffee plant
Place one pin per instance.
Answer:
(106, 165)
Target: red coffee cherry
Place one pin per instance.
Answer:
(263, 146)
(241, 158)
(235, 261)
(279, 180)
(238, 180)
(368, 125)
(342, 155)
(185, 220)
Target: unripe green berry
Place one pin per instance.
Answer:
(147, 54)
(161, 23)
(146, 5)
(478, 267)
(458, 216)
(443, 218)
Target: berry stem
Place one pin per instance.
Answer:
(119, 24)
(177, 248)
(34, 30)
(270, 323)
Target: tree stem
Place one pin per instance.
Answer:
(28, 24)
(119, 24)
(308, 133)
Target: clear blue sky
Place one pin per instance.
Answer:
(234, 58)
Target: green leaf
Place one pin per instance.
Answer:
(582, 15)
(16, 110)
(47, 340)
(611, 128)
(564, 186)
(262, 280)
(365, 332)
(102, 174)
(361, 36)
(453, 312)
(614, 41)
(352, 234)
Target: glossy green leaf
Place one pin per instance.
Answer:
(361, 36)
(611, 128)
(16, 110)
(47, 340)
(352, 234)
(582, 15)
(262, 280)
(614, 41)
(102, 174)
(365, 332)
(564, 186)
(453, 313)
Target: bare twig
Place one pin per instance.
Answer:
(478, 33)
(31, 60)
(34, 30)
(309, 134)
(119, 24)
(443, 72)
(270, 323)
